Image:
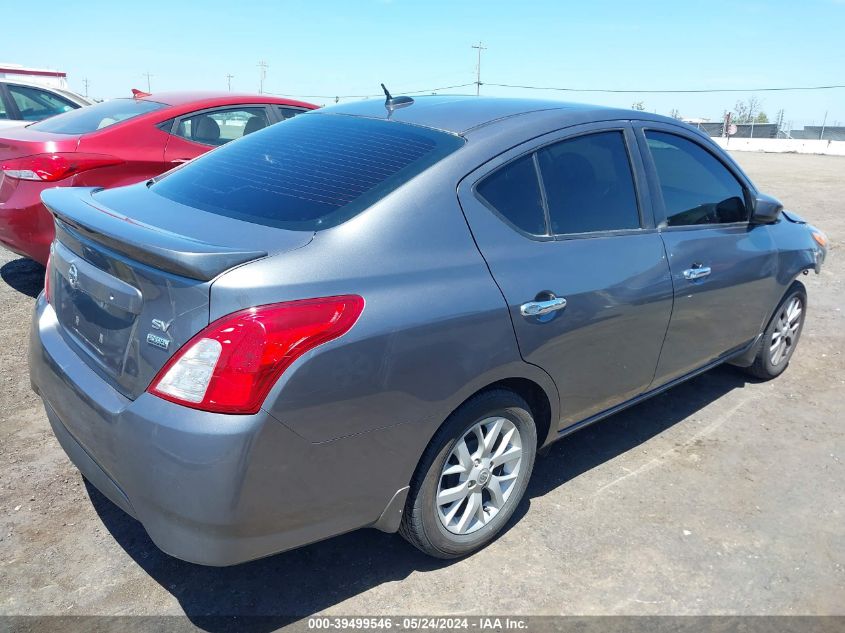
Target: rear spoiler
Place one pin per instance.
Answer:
(76, 212)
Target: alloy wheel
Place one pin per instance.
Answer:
(479, 476)
(786, 329)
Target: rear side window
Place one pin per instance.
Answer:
(313, 172)
(218, 127)
(97, 116)
(514, 192)
(697, 188)
(589, 184)
(287, 112)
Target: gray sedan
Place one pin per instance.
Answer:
(376, 314)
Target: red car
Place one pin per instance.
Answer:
(114, 143)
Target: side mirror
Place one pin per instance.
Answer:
(765, 209)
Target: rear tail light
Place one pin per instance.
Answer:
(53, 167)
(230, 366)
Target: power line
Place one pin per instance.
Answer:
(697, 90)
(559, 89)
(366, 96)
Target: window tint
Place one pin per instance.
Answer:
(3, 114)
(589, 185)
(97, 116)
(514, 192)
(221, 126)
(309, 173)
(289, 112)
(696, 187)
(35, 104)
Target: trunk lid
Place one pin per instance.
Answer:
(130, 274)
(23, 141)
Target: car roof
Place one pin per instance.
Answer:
(461, 114)
(215, 98)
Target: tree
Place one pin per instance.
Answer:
(638, 105)
(749, 112)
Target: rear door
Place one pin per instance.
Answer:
(723, 267)
(566, 227)
(196, 133)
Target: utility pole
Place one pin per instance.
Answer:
(480, 47)
(85, 83)
(263, 66)
(148, 75)
(824, 124)
(229, 81)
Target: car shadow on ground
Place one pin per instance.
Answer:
(24, 275)
(287, 587)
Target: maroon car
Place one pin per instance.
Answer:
(114, 143)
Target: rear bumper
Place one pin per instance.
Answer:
(210, 488)
(26, 227)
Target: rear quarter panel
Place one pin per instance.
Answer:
(434, 330)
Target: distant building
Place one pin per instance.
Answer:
(42, 76)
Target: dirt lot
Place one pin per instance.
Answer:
(720, 496)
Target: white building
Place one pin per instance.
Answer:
(41, 76)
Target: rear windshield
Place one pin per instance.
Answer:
(97, 116)
(308, 173)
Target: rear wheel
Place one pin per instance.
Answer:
(781, 336)
(472, 476)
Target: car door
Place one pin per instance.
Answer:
(566, 227)
(197, 132)
(723, 267)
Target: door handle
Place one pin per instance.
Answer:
(539, 308)
(696, 272)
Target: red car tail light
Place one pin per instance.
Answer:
(230, 366)
(53, 167)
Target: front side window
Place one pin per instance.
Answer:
(96, 117)
(218, 127)
(589, 184)
(35, 104)
(514, 192)
(697, 188)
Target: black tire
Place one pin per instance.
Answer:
(766, 365)
(421, 524)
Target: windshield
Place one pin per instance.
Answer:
(308, 173)
(97, 116)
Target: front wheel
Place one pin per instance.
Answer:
(472, 476)
(781, 336)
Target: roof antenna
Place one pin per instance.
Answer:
(392, 103)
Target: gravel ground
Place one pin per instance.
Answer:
(722, 496)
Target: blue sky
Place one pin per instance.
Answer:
(330, 47)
